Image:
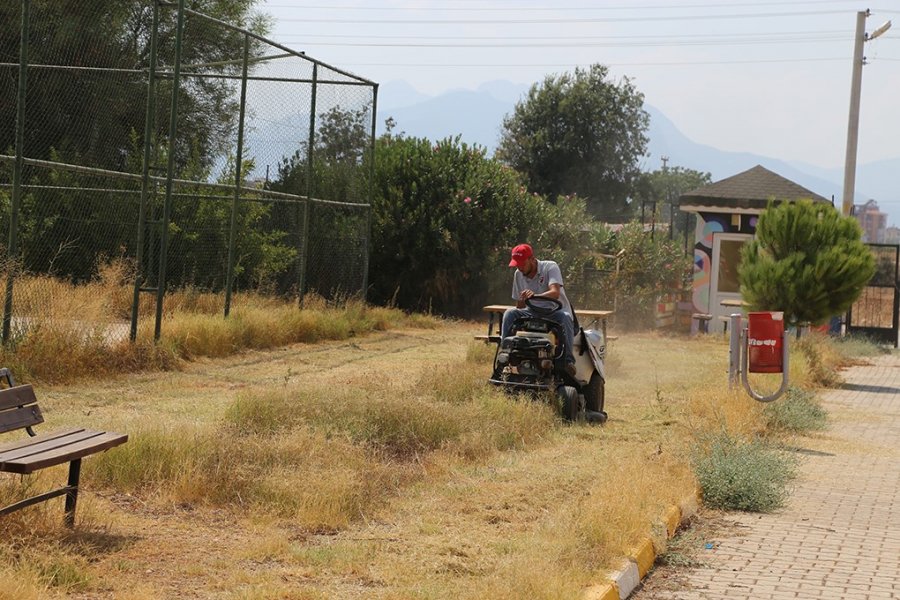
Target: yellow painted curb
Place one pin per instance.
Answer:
(644, 555)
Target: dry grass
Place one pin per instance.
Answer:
(381, 470)
(64, 332)
(359, 447)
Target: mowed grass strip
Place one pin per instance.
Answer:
(323, 456)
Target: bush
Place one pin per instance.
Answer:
(742, 475)
(648, 269)
(796, 412)
(443, 215)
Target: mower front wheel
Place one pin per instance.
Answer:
(571, 405)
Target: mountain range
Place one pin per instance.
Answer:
(477, 116)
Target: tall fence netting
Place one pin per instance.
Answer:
(92, 113)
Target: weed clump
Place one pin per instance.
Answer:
(736, 474)
(797, 412)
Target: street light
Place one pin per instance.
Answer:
(855, 86)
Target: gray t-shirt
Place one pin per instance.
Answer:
(547, 273)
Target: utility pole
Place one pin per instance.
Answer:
(861, 37)
(668, 194)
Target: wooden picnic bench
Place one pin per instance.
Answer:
(19, 410)
(498, 309)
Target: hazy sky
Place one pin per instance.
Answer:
(764, 76)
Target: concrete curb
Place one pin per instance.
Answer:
(624, 581)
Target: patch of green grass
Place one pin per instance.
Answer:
(736, 474)
(857, 345)
(796, 412)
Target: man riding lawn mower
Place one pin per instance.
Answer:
(542, 348)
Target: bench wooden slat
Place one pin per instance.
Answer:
(28, 464)
(26, 441)
(18, 418)
(19, 395)
(41, 443)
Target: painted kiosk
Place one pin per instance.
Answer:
(727, 212)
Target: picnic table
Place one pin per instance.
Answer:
(591, 316)
(733, 303)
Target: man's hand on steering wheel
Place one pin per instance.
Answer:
(537, 305)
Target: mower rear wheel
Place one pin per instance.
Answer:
(595, 393)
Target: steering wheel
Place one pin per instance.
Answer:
(543, 311)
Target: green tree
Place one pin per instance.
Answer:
(579, 134)
(443, 217)
(93, 114)
(86, 115)
(665, 185)
(806, 260)
(339, 173)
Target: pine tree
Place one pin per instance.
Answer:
(806, 260)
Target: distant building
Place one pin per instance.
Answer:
(892, 235)
(872, 221)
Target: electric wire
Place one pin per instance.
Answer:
(555, 8)
(573, 44)
(562, 20)
(608, 64)
(787, 34)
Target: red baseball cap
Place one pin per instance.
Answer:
(520, 254)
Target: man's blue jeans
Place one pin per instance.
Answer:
(563, 319)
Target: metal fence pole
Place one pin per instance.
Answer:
(310, 188)
(149, 126)
(238, 176)
(170, 168)
(368, 234)
(17, 170)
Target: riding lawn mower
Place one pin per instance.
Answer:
(531, 360)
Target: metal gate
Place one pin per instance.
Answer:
(877, 311)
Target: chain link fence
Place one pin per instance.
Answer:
(146, 147)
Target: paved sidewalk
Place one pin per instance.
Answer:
(839, 536)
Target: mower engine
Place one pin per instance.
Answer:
(531, 352)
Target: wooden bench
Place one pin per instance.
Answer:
(703, 320)
(19, 410)
(498, 309)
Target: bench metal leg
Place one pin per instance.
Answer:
(72, 491)
(32, 501)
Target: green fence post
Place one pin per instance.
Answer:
(17, 170)
(170, 167)
(368, 233)
(149, 126)
(310, 188)
(238, 175)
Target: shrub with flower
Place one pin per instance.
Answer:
(650, 268)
